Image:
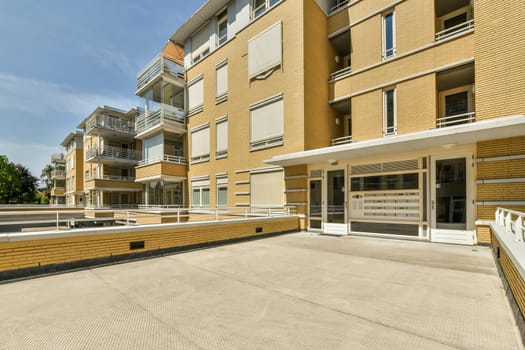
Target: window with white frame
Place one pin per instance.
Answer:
(389, 112)
(258, 7)
(196, 95)
(200, 44)
(222, 27)
(200, 143)
(389, 35)
(222, 190)
(221, 73)
(265, 52)
(267, 189)
(221, 146)
(267, 123)
(200, 192)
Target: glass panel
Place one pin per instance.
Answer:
(456, 104)
(389, 108)
(222, 27)
(315, 198)
(336, 196)
(196, 198)
(222, 196)
(454, 21)
(385, 182)
(451, 193)
(205, 197)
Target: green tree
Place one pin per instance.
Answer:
(28, 185)
(10, 181)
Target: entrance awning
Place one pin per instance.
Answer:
(485, 130)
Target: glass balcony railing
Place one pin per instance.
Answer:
(162, 114)
(58, 174)
(166, 158)
(111, 123)
(158, 66)
(110, 152)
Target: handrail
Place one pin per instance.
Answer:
(338, 4)
(342, 140)
(456, 119)
(340, 73)
(58, 173)
(166, 158)
(109, 178)
(455, 30)
(512, 221)
(58, 157)
(111, 123)
(159, 114)
(158, 66)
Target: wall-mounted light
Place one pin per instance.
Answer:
(337, 121)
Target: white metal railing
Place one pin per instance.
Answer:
(109, 178)
(58, 174)
(162, 114)
(342, 140)
(166, 158)
(58, 157)
(341, 73)
(158, 66)
(451, 120)
(112, 123)
(512, 221)
(337, 4)
(462, 27)
(113, 153)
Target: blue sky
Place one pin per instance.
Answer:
(60, 59)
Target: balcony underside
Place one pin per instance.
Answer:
(111, 160)
(164, 77)
(111, 133)
(165, 126)
(107, 185)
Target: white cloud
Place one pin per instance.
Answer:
(46, 99)
(31, 155)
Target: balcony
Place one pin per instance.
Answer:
(112, 183)
(112, 154)
(168, 167)
(58, 158)
(457, 29)
(109, 178)
(165, 158)
(458, 119)
(159, 67)
(341, 73)
(113, 125)
(337, 5)
(162, 116)
(341, 140)
(58, 174)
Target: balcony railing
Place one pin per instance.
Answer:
(158, 66)
(342, 140)
(166, 158)
(162, 114)
(111, 152)
(58, 157)
(109, 178)
(452, 120)
(58, 174)
(341, 73)
(337, 4)
(462, 27)
(512, 221)
(111, 123)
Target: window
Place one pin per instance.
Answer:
(221, 147)
(267, 123)
(221, 73)
(200, 143)
(456, 104)
(222, 27)
(258, 7)
(267, 189)
(265, 52)
(389, 112)
(200, 44)
(153, 148)
(200, 193)
(196, 96)
(222, 190)
(389, 42)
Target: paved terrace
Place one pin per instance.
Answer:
(299, 291)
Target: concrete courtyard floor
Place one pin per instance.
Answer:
(298, 291)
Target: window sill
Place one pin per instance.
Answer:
(196, 110)
(221, 98)
(269, 143)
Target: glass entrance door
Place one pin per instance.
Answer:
(335, 193)
(315, 212)
(451, 193)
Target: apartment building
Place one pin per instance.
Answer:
(73, 143)
(392, 118)
(110, 157)
(58, 176)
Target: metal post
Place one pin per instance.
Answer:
(127, 217)
(58, 228)
(216, 214)
(178, 215)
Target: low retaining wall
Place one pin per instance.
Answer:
(26, 254)
(510, 256)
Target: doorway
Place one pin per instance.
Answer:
(335, 208)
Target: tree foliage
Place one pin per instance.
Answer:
(17, 185)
